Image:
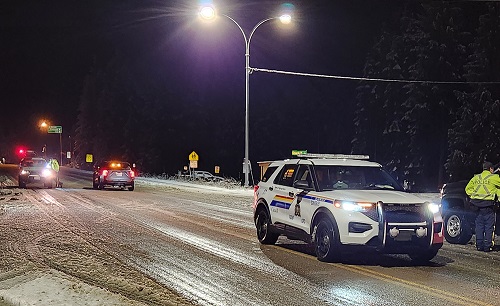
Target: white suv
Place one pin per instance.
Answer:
(341, 201)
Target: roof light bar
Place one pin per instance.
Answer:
(333, 156)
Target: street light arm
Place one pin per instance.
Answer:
(239, 27)
(255, 28)
(247, 40)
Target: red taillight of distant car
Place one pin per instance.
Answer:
(104, 172)
(132, 173)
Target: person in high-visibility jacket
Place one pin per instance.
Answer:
(483, 189)
(54, 165)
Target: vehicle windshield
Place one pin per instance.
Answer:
(33, 163)
(355, 177)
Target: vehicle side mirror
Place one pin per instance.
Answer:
(301, 184)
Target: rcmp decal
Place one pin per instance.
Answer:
(285, 202)
(297, 210)
(282, 201)
(316, 201)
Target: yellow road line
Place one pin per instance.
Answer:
(448, 296)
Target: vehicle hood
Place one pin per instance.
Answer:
(386, 196)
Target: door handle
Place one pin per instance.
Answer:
(291, 194)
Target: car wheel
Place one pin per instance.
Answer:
(262, 223)
(131, 187)
(327, 241)
(22, 184)
(424, 256)
(457, 230)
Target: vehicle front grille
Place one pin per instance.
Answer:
(398, 213)
(404, 213)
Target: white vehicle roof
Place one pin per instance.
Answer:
(328, 162)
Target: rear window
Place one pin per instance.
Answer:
(285, 178)
(33, 163)
(268, 173)
(117, 165)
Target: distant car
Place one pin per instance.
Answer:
(459, 215)
(34, 170)
(206, 176)
(113, 174)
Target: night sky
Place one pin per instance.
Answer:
(48, 47)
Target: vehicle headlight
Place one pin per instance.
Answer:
(434, 207)
(24, 172)
(46, 173)
(353, 206)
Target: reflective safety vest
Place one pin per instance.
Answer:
(483, 186)
(54, 165)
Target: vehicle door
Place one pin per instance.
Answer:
(289, 203)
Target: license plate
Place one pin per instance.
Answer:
(36, 178)
(404, 236)
(118, 174)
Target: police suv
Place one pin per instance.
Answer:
(340, 202)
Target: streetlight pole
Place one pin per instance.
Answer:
(246, 161)
(60, 148)
(209, 13)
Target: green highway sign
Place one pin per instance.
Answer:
(55, 129)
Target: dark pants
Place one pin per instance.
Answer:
(485, 223)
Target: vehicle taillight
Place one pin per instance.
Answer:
(255, 188)
(104, 172)
(132, 173)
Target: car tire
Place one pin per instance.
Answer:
(94, 183)
(424, 256)
(263, 225)
(131, 187)
(457, 229)
(327, 241)
(22, 184)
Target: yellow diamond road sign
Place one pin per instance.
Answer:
(193, 156)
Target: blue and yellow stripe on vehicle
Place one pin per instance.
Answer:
(317, 200)
(285, 202)
(282, 201)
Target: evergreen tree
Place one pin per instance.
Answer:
(474, 135)
(429, 45)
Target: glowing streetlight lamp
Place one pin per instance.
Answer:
(209, 13)
(44, 125)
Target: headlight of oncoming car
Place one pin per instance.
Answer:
(24, 172)
(46, 173)
(434, 207)
(354, 206)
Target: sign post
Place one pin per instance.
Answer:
(193, 160)
(57, 129)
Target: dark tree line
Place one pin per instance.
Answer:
(428, 131)
(126, 112)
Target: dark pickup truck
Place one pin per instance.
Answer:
(459, 216)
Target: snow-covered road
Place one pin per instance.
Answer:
(180, 243)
